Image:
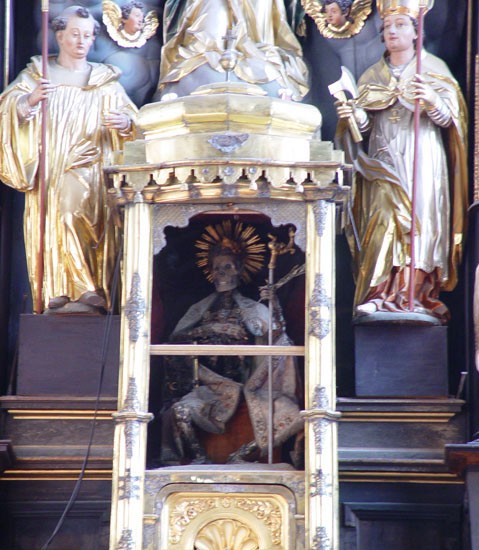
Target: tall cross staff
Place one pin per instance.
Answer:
(42, 169)
(416, 159)
(277, 249)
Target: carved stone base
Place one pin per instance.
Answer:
(62, 355)
(394, 360)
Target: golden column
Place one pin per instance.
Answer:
(321, 470)
(126, 526)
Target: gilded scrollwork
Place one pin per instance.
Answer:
(186, 509)
(266, 510)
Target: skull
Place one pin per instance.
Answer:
(225, 272)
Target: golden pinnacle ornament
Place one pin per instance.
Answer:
(403, 7)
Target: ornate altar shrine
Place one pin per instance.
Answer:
(229, 136)
(261, 162)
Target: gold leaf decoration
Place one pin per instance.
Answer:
(360, 9)
(226, 534)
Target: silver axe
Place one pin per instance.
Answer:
(338, 90)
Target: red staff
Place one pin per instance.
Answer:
(38, 299)
(417, 115)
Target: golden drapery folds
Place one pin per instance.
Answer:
(383, 187)
(267, 48)
(80, 235)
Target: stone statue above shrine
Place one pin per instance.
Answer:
(204, 394)
(88, 115)
(381, 223)
(197, 33)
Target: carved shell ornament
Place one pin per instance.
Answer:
(358, 13)
(226, 534)
(129, 33)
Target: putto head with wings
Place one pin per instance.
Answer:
(128, 25)
(338, 18)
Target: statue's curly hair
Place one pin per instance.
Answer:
(344, 5)
(60, 22)
(126, 9)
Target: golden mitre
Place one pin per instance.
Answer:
(403, 7)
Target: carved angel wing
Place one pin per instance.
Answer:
(151, 24)
(111, 16)
(360, 9)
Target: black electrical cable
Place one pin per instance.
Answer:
(104, 350)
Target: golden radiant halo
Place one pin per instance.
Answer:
(241, 241)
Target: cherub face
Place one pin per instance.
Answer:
(225, 273)
(334, 15)
(135, 21)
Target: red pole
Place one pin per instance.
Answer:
(38, 299)
(416, 159)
